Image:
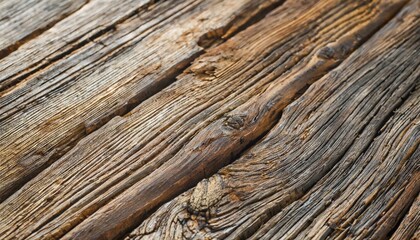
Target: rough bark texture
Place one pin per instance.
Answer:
(300, 124)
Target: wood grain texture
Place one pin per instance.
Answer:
(228, 98)
(329, 168)
(409, 228)
(218, 143)
(362, 197)
(23, 20)
(82, 27)
(110, 69)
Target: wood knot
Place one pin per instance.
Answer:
(36, 159)
(235, 121)
(204, 70)
(326, 53)
(206, 194)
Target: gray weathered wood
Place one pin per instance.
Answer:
(410, 226)
(23, 20)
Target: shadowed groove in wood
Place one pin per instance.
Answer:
(380, 234)
(272, 213)
(51, 157)
(383, 123)
(113, 52)
(400, 207)
(207, 40)
(219, 36)
(243, 20)
(251, 15)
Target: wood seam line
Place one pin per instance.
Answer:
(240, 22)
(14, 46)
(350, 40)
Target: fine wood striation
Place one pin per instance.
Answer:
(409, 228)
(23, 20)
(169, 172)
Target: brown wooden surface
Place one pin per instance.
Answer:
(47, 112)
(210, 120)
(307, 153)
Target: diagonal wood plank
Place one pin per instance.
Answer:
(23, 20)
(43, 116)
(96, 18)
(363, 200)
(410, 226)
(228, 98)
(328, 131)
(364, 197)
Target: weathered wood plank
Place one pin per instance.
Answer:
(94, 19)
(99, 18)
(364, 197)
(46, 114)
(23, 20)
(329, 132)
(227, 99)
(410, 226)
